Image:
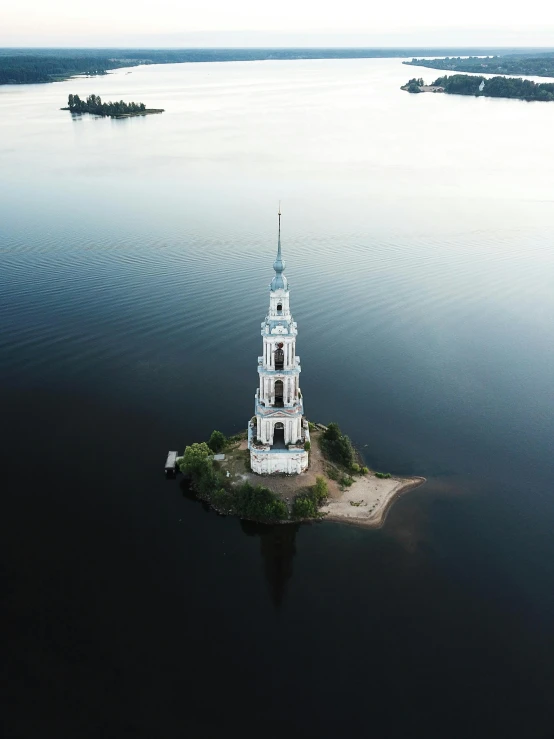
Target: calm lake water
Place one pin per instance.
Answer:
(136, 256)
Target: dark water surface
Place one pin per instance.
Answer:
(136, 255)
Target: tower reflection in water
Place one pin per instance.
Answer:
(277, 546)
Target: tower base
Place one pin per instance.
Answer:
(268, 460)
(272, 463)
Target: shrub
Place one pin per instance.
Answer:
(383, 475)
(333, 473)
(259, 503)
(346, 481)
(304, 507)
(364, 470)
(320, 490)
(307, 446)
(311, 426)
(223, 499)
(207, 481)
(217, 442)
(355, 468)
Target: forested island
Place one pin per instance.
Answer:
(495, 87)
(537, 65)
(93, 104)
(25, 66)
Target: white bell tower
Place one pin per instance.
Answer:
(278, 432)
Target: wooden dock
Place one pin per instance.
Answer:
(171, 464)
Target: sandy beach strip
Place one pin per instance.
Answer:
(368, 500)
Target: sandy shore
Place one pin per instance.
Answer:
(368, 500)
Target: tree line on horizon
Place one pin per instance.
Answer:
(537, 65)
(496, 87)
(35, 68)
(26, 66)
(93, 104)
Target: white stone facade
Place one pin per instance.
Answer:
(278, 431)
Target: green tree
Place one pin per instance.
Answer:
(332, 432)
(208, 480)
(337, 447)
(217, 442)
(196, 459)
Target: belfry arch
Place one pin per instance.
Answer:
(278, 394)
(279, 357)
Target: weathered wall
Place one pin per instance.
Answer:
(272, 463)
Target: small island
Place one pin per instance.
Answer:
(417, 84)
(495, 87)
(335, 487)
(94, 105)
(309, 470)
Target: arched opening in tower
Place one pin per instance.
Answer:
(279, 357)
(279, 436)
(279, 394)
(279, 308)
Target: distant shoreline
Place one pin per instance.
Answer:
(39, 66)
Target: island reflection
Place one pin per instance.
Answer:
(278, 548)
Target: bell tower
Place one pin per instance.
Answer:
(278, 432)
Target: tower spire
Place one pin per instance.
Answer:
(279, 281)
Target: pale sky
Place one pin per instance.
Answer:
(285, 22)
